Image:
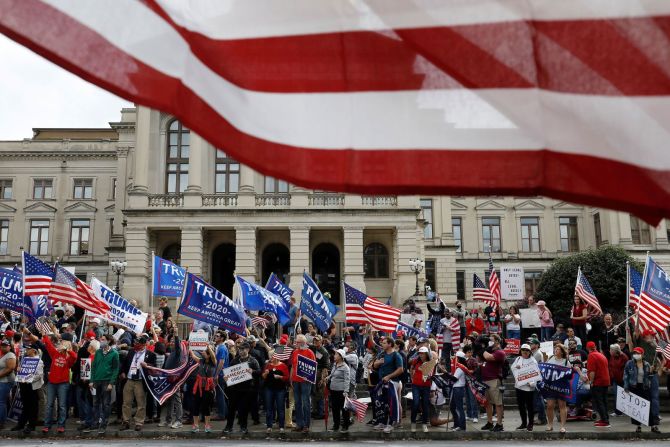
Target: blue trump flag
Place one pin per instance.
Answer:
(168, 278)
(557, 382)
(163, 383)
(203, 302)
(280, 289)
(409, 330)
(256, 297)
(654, 305)
(315, 306)
(11, 290)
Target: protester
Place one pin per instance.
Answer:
(599, 378)
(474, 323)
(579, 315)
(62, 359)
(204, 388)
(636, 380)
(301, 387)
(28, 389)
(616, 364)
(420, 389)
(472, 405)
(275, 378)
(559, 358)
(7, 366)
(134, 390)
(389, 367)
(322, 368)
(491, 372)
(460, 314)
(458, 394)
(525, 392)
(222, 361)
(339, 385)
(513, 323)
(646, 341)
(241, 394)
(546, 321)
(608, 335)
(493, 326)
(104, 373)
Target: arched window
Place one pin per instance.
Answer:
(376, 261)
(176, 172)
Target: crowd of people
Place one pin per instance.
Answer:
(91, 369)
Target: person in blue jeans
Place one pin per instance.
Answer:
(275, 377)
(222, 361)
(458, 393)
(301, 387)
(62, 359)
(472, 405)
(420, 389)
(7, 377)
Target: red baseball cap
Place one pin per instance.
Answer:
(648, 332)
(638, 350)
(590, 345)
(90, 335)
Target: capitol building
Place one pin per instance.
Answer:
(146, 184)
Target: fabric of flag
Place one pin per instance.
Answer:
(359, 408)
(663, 348)
(260, 322)
(634, 285)
(362, 309)
(455, 334)
(37, 276)
(494, 284)
(43, 326)
(283, 353)
(300, 89)
(480, 292)
(67, 288)
(478, 389)
(163, 383)
(654, 305)
(584, 291)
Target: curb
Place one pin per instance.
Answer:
(361, 436)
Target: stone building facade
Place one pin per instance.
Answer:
(148, 185)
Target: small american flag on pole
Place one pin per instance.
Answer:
(357, 407)
(480, 292)
(634, 286)
(363, 309)
(584, 291)
(494, 283)
(283, 353)
(37, 276)
(260, 322)
(663, 348)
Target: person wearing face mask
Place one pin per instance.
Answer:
(474, 323)
(599, 377)
(636, 380)
(616, 363)
(646, 340)
(460, 313)
(491, 372)
(104, 372)
(134, 389)
(493, 325)
(241, 394)
(28, 388)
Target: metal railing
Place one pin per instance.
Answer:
(219, 200)
(166, 200)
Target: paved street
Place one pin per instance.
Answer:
(198, 443)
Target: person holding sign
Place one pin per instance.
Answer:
(275, 377)
(301, 387)
(62, 359)
(636, 375)
(525, 390)
(241, 393)
(420, 388)
(82, 378)
(560, 358)
(31, 379)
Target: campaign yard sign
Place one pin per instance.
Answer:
(306, 369)
(198, 341)
(27, 369)
(529, 373)
(632, 405)
(512, 346)
(237, 374)
(85, 365)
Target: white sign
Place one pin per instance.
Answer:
(528, 373)
(529, 318)
(512, 282)
(237, 374)
(198, 341)
(408, 319)
(632, 405)
(85, 369)
(121, 311)
(547, 347)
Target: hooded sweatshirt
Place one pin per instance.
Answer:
(60, 362)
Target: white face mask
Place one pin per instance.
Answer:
(491, 343)
(637, 356)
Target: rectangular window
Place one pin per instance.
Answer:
(39, 237)
(42, 188)
(177, 177)
(639, 231)
(430, 273)
(530, 234)
(460, 285)
(79, 237)
(427, 207)
(275, 186)
(532, 281)
(83, 188)
(491, 234)
(4, 237)
(597, 230)
(5, 189)
(457, 229)
(227, 174)
(568, 233)
(114, 185)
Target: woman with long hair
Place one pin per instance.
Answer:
(275, 379)
(636, 375)
(203, 389)
(420, 388)
(579, 314)
(559, 358)
(339, 382)
(513, 323)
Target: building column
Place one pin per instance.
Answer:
(138, 255)
(191, 249)
(145, 129)
(245, 253)
(624, 229)
(407, 247)
(299, 255)
(120, 198)
(246, 195)
(660, 235)
(353, 257)
(198, 148)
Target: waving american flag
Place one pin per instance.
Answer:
(364, 309)
(37, 276)
(67, 288)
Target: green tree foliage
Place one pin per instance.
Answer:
(605, 268)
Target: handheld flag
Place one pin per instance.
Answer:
(359, 408)
(168, 278)
(67, 288)
(315, 306)
(280, 289)
(494, 284)
(635, 283)
(122, 312)
(654, 304)
(363, 309)
(37, 276)
(256, 297)
(163, 383)
(584, 291)
(480, 292)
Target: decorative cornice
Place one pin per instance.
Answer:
(82, 207)
(60, 155)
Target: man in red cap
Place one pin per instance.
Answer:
(647, 341)
(599, 378)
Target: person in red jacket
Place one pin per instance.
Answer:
(301, 387)
(599, 378)
(62, 359)
(616, 362)
(474, 323)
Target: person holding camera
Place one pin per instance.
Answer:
(492, 371)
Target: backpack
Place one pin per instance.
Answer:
(506, 370)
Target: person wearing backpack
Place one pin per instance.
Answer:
(492, 374)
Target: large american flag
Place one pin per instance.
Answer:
(67, 288)
(551, 91)
(584, 291)
(654, 307)
(494, 283)
(634, 285)
(37, 276)
(363, 309)
(480, 292)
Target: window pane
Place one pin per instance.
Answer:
(525, 245)
(174, 125)
(84, 234)
(185, 151)
(172, 183)
(524, 232)
(44, 247)
(486, 230)
(183, 167)
(269, 184)
(220, 183)
(88, 192)
(234, 183)
(564, 245)
(34, 248)
(564, 231)
(535, 231)
(48, 192)
(174, 152)
(185, 139)
(77, 192)
(173, 139)
(8, 192)
(234, 167)
(536, 245)
(496, 232)
(183, 182)
(34, 232)
(172, 167)
(73, 248)
(283, 186)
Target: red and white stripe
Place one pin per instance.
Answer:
(359, 408)
(81, 296)
(653, 314)
(391, 96)
(380, 316)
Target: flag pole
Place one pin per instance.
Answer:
(181, 299)
(639, 302)
(627, 298)
(153, 273)
(23, 287)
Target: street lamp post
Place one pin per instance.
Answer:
(416, 265)
(118, 267)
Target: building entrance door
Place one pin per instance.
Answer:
(326, 270)
(276, 259)
(223, 266)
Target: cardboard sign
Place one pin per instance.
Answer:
(428, 368)
(529, 373)
(547, 347)
(529, 318)
(512, 346)
(408, 319)
(85, 371)
(237, 374)
(27, 369)
(512, 282)
(198, 341)
(306, 368)
(632, 405)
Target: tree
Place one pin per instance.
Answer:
(605, 268)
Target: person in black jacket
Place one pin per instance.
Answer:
(135, 387)
(241, 394)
